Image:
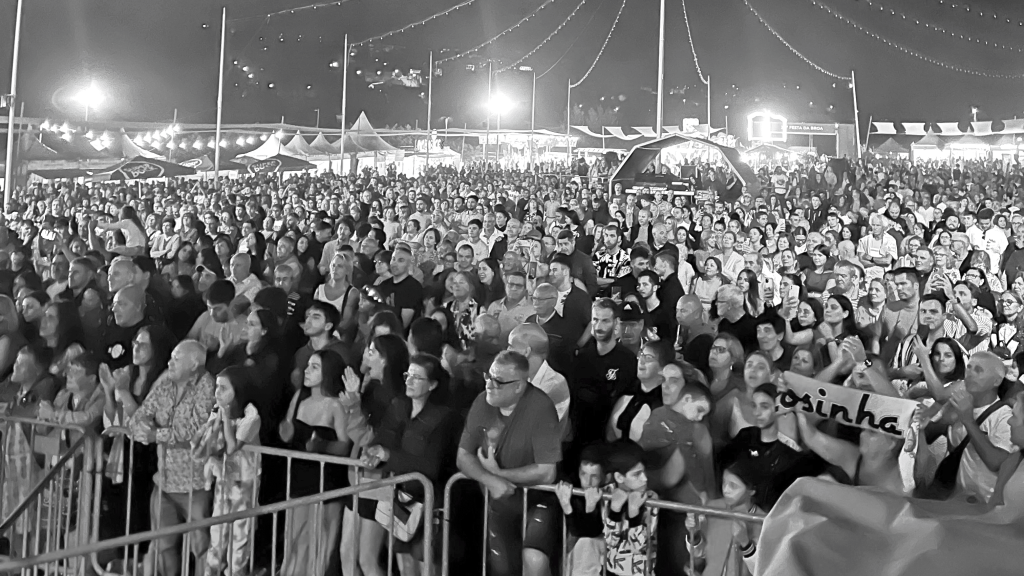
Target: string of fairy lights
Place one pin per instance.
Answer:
(900, 15)
(981, 13)
(779, 37)
(504, 32)
(408, 27)
(603, 46)
(544, 41)
(911, 52)
(693, 49)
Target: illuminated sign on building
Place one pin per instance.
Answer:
(766, 127)
(811, 129)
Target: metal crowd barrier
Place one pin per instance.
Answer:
(244, 516)
(673, 507)
(134, 540)
(47, 487)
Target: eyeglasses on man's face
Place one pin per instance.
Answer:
(492, 381)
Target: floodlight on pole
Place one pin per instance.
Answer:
(499, 104)
(90, 97)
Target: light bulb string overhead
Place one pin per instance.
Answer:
(980, 13)
(574, 41)
(899, 15)
(909, 51)
(693, 50)
(779, 37)
(499, 35)
(603, 46)
(292, 10)
(414, 24)
(544, 41)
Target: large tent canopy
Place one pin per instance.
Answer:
(644, 154)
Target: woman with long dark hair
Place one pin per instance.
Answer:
(942, 366)
(186, 306)
(61, 331)
(492, 287)
(124, 390)
(262, 359)
(748, 283)
(385, 362)
(839, 322)
(183, 262)
(316, 422)
(801, 327)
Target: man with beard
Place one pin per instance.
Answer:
(611, 263)
(601, 371)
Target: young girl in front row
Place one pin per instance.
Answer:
(233, 423)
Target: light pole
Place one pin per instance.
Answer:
(974, 113)
(317, 110)
(90, 97)
(497, 105)
(661, 71)
(533, 116)
(10, 108)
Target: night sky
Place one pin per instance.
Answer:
(153, 57)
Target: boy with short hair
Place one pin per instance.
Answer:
(584, 522)
(630, 529)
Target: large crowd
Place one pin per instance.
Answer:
(523, 329)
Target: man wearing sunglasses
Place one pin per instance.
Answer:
(512, 439)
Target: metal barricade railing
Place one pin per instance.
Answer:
(135, 540)
(661, 505)
(299, 544)
(47, 486)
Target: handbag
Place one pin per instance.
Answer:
(944, 482)
(400, 515)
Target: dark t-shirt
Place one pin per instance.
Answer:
(529, 435)
(595, 381)
(663, 320)
(562, 339)
(117, 346)
(745, 329)
(404, 295)
(774, 462)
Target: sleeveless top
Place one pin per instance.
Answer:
(339, 303)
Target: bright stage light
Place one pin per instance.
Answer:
(499, 104)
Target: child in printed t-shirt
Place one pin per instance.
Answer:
(630, 528)
(584, 522)
(219, 442)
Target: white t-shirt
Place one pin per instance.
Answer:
(974, 477)
(873, 248)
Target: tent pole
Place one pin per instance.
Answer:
(8, 168)
(568, 122)
(174, 123)
(344, 101)
(856, 112)
(533, 118)
(430, 102)
(220, 97)
(487, 140)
